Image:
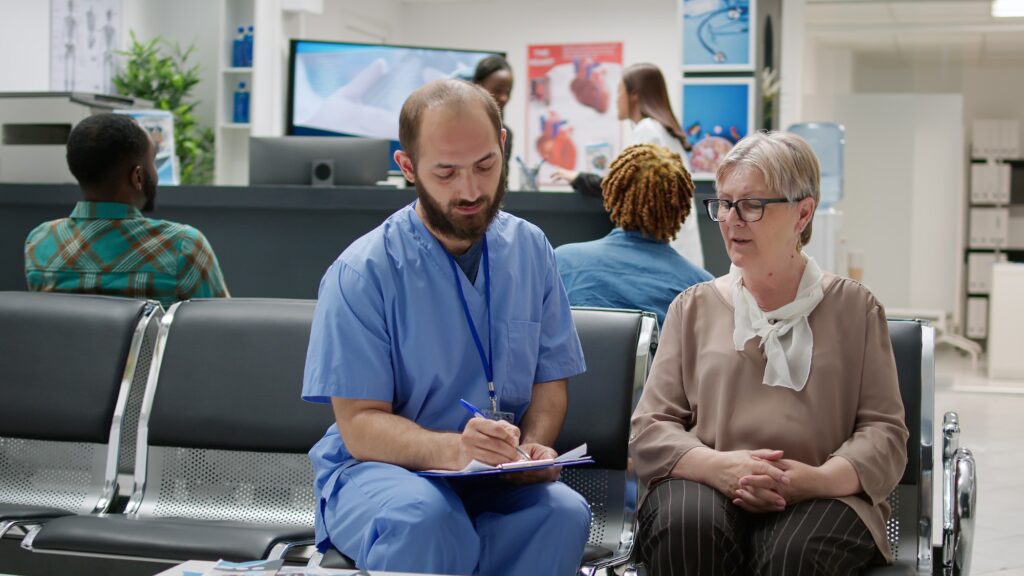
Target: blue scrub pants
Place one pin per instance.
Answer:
(387, 518)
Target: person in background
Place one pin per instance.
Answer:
(494, 74)
(648, 193)
(405, 323)
(643, 100)
(770, 431)
(107, 246)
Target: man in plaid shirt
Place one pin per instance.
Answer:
(107, 246)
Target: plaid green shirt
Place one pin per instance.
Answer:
(111, 248)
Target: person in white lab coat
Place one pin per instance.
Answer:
(643, 99)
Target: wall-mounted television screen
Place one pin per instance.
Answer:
(342, 89)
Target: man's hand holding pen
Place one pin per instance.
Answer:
(492, 442)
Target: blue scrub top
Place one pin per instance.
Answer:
(389, 326)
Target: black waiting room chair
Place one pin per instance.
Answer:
(910, 525)
(618, 346)
(70, 365)
(222, 470)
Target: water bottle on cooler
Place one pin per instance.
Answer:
(238, 48)
(241, 109)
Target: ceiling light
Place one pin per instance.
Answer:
(1008, 8)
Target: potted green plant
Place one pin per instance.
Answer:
(770, 86)
(161, 73)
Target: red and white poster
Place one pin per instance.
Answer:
(572, 119)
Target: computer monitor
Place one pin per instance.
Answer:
(317, 161)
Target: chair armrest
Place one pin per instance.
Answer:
(332, 558)
(959, 499)
(164, 539)
(281, 549)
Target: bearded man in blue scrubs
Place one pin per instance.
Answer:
(450, 298)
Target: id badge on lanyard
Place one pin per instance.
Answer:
(493, 412)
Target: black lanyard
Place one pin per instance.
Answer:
(484, 359)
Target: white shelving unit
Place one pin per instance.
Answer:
(232, 143)
(266, 79)
(992, 229)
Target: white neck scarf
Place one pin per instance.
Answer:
(785, 333)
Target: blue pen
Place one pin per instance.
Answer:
(476, 412)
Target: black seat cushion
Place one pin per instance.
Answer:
(165, 538)
(22, 512)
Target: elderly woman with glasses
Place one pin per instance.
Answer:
(770, 430)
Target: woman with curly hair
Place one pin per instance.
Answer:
(647, 194)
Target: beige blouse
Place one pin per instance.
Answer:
(703, 392)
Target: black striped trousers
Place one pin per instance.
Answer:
(688, 529)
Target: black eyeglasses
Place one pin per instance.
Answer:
(748, 209)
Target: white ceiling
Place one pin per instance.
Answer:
(949, 30)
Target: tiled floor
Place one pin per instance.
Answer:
(992, 426)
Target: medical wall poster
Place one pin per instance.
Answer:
(572, 112)
(718, 36)
(160, 125)
(717, 113)
(85, 36)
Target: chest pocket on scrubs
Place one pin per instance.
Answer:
(523, 348)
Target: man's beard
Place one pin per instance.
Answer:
(149, 191)
(453, 225)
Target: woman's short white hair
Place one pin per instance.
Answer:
(785, 160)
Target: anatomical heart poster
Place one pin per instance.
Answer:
(572, 112)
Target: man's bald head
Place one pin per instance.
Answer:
(446, 94)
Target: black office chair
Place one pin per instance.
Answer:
(222, 471)
(618, 346)
(68, 364)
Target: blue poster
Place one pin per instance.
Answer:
(718, 35)
(717, 113)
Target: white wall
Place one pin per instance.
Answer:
(904, 193)
(936, 221)
(828, 75)
(25, 45)
(25, 41)
(991, 90)
(352, 21)
(792, 76)
(648, 29)
(187, 22)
